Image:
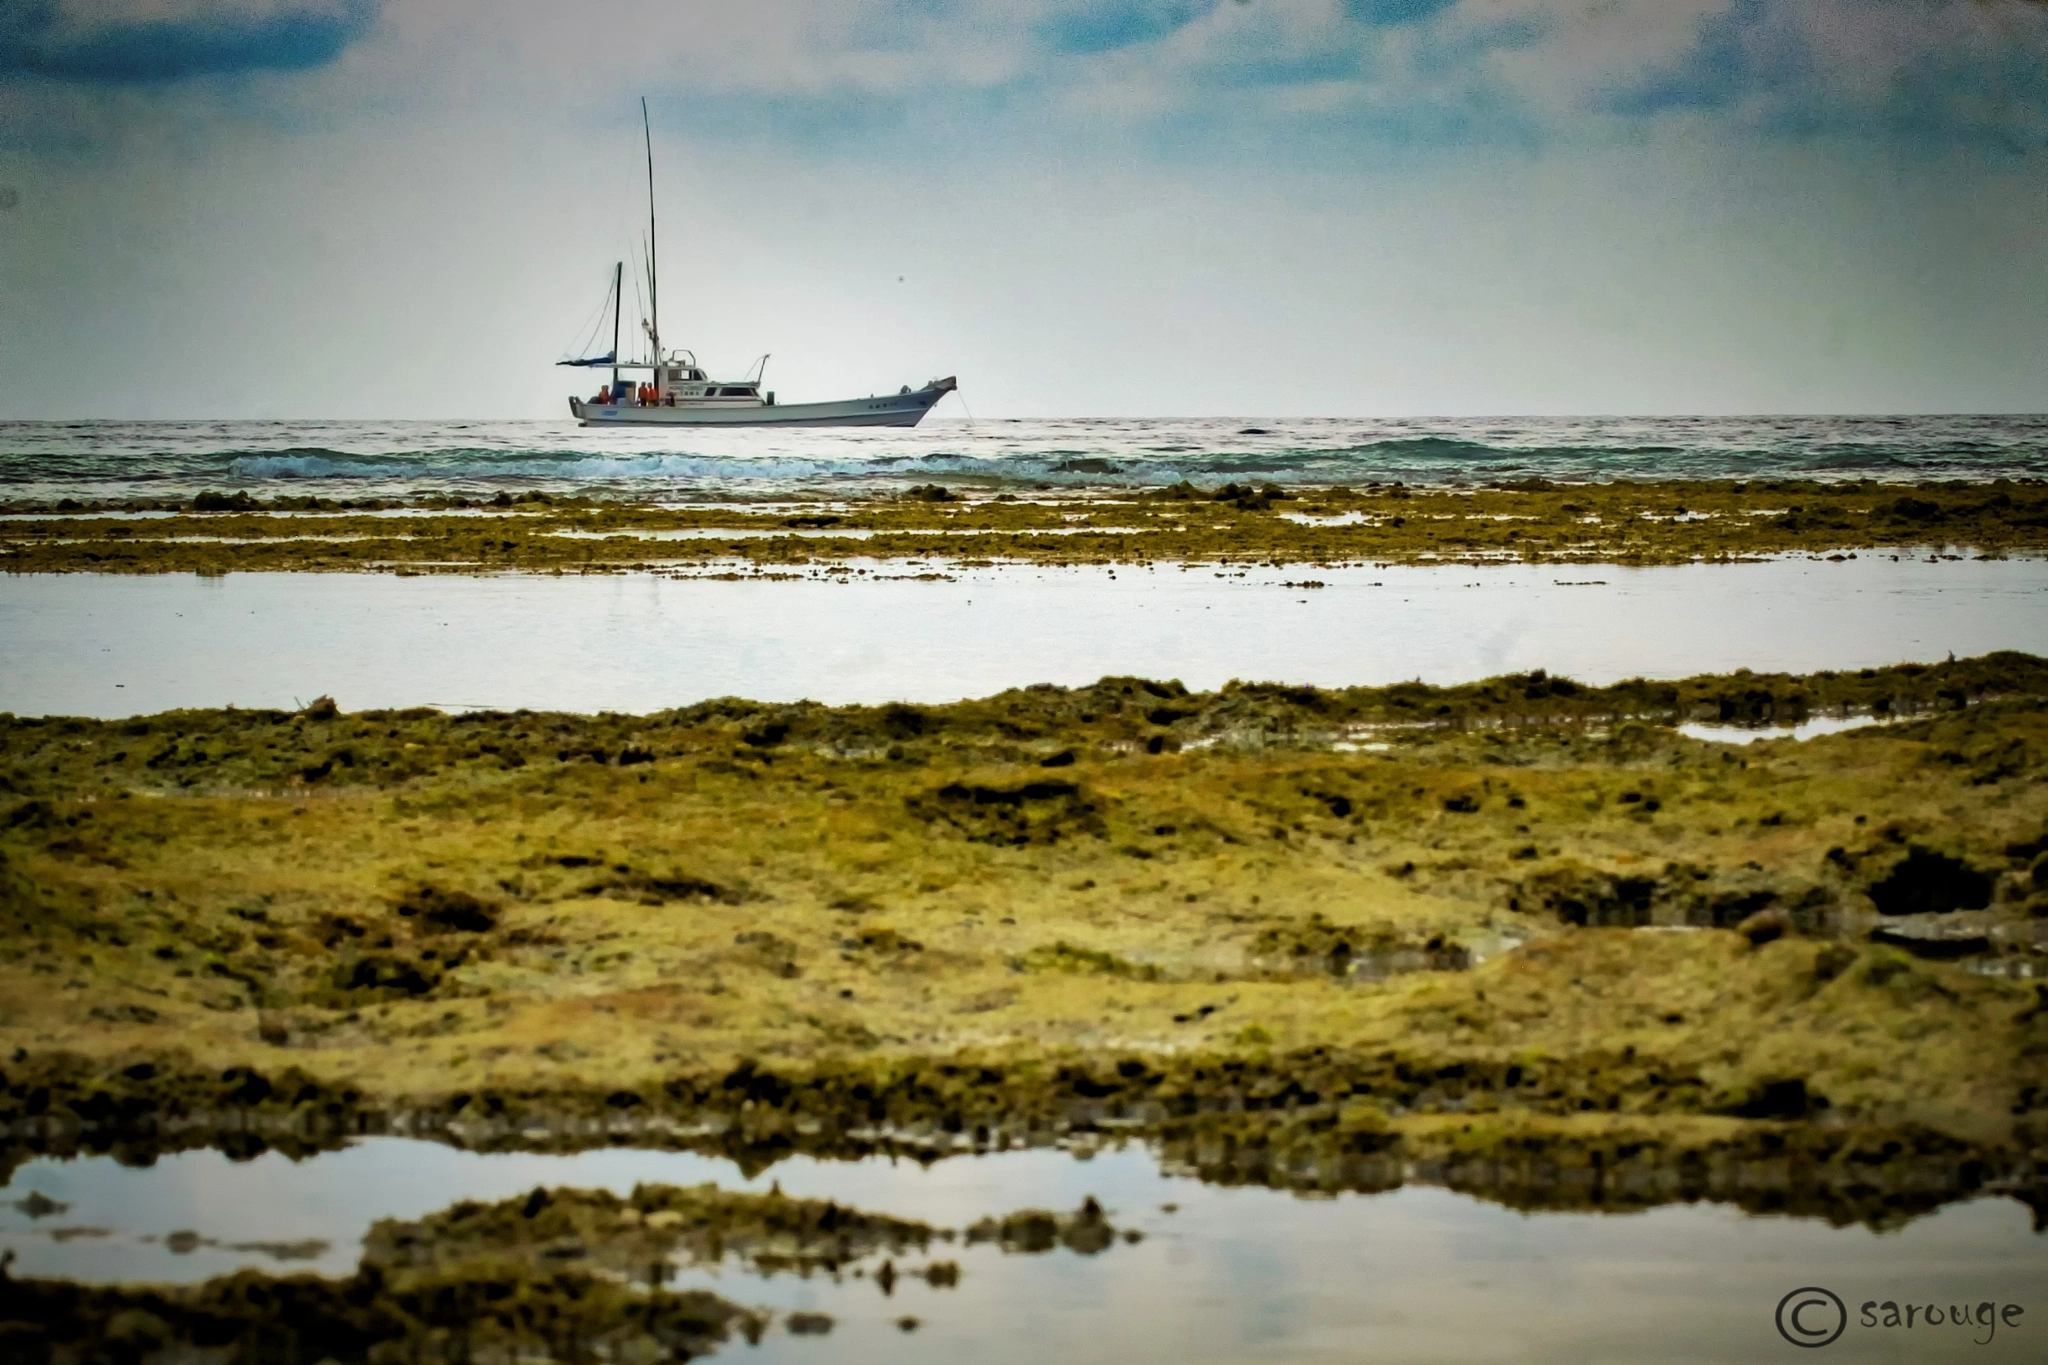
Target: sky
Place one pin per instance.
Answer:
(1257, 208)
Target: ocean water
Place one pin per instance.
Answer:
(396, 459)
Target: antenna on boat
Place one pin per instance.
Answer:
(653, 290)
(618, 302)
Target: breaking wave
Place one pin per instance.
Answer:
(388, 459)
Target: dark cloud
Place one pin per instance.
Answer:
(34, 41)
(1756, 62)
(1739, 54)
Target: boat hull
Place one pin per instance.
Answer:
(882, 410)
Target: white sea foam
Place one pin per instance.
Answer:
(398, 459)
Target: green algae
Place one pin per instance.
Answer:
(1065, 957)
(1086, 1231)
(1635, 523)
(643, 1234)
(475, 1313)
(321, 749)
(764, 929)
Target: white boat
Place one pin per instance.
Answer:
(684, 397)
(677, 391)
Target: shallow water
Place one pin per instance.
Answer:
(1417, 1274)
(107, 645)
(399, 459)
(834, 533)
(1811, 728)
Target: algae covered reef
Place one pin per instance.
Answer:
(1521, 937)
(1532, 520)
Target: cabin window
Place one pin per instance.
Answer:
(736, 393)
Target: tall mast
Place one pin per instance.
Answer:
(618, 302)
(653, 291)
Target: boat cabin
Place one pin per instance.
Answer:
(678, 382)
(684, 383)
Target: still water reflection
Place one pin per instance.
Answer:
(1229, 1274)
(118, 645)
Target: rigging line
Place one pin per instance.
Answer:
(589, 333)
(611, 291)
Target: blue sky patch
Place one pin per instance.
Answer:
(1390, 13)
(31, 43)
(1086, 28)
